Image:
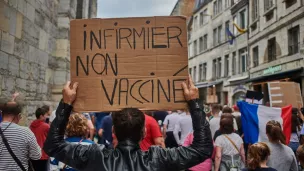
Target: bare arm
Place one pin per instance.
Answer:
(160, 142)
(242, 153)
(164, 131)
(218, 158)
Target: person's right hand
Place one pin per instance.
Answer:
(190, 91)
(69, 94)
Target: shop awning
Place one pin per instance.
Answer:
(276, 76)
(208, 84)
(238, 78)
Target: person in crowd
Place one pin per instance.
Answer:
(20, 140)
(160, 116)
(258, 155)
(98, 117)
(207, 164)
(229, 149)
(282, 158)
(76, 132)
(49, 112)
(153, 136)
(105, 131)
(218, 132)
(91, 129)
(236, 111)
(295, 131)
(184, 125)
(129, 128)
(300, 156)
(40, 129)
(215, 121)
(168, 128)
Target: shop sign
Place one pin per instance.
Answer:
(272, 70)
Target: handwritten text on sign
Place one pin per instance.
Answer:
(129, 62)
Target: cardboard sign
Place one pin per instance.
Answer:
(285, 93)
(129, 62)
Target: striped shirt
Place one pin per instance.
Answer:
(22, 142)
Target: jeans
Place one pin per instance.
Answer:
(294, 146)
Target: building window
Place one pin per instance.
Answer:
(200, 76)
(233, 69)
(214, 69)
(227, 4)
(195, 23)
(201, 18)
(269, 16)
(204, 71)
(293, 40)
(243, 19)
(243, 60)
(268, 4)
(201, 46)
(215, 8)
(190, 71)
(289, 3)
(205, 16)
(226, 72)
(226, 28)
(205, 42)
(271, 49)
(255, 9)
(194, 73)
(79, 10)
(255, 54)
(195, 47)
(220, 6)
(234, 29)
(214, 37)
(232, 2)
(219, 72)
(219, 32)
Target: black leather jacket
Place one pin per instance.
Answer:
(128, 155)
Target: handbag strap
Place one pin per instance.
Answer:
(11, 151)
(232, 143)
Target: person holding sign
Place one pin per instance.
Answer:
(129, 128)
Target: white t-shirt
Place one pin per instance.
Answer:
(184, 124)
(170, 121)
(227, 147)
(214, 125)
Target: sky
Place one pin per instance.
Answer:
(134, 8)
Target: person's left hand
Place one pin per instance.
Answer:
(69, 94)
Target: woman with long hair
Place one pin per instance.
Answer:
(282, 158)
(229, 149)
(258, 154)
(295, 131)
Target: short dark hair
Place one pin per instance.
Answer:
(9, 107)
(129, 124)
(46, 107)
(216, 108)
(227, 110)
(226, 124)
(39, 112)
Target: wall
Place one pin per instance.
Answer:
(183, 8)
(34, 49)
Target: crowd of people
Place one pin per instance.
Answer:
(196, 139)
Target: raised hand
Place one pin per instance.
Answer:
(69, 93)
(190, 91)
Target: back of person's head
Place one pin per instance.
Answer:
(216, 108)
(295, 123)
(257, 153)
(227, 110)
(274, 132)
(129, 124)
(11, 107)
(77, 126)
(300, 154)
(40, 112)
(226, 123)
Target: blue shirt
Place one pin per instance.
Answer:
(107, 129)
(98, 119)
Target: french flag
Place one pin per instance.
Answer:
(255, 117)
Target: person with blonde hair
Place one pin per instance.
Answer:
(76, 131)
(282, 157)
(258, 155)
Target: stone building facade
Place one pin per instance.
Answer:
(271, 49)
(183, 8)
(34, 48)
